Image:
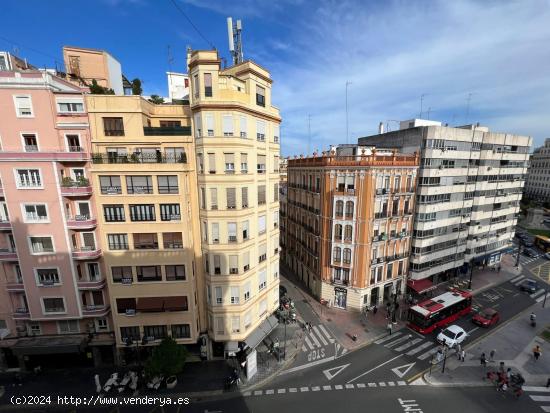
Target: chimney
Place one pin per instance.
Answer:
(381, 128)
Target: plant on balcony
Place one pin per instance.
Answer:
(134, 158)
(96, 89)
(97, 158)
(67, 181)
(136, 87)
(83, 181)
(167, 359)
(156, 99)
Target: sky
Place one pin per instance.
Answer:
(458, 62)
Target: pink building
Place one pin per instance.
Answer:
(54, 307)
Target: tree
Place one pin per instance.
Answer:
(96, 89)
(156, 99)
(167, 359)
(136, 87)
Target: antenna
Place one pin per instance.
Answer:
(421, 104)
(235, 40)
(347, 121)
(468, 106)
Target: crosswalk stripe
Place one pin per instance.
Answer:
(388, 337)
(316, 330)
(536, 294)
(545, 408)
(269, 391)
(518, 280)
(314, 339)
(391, 383)
(419, 348)
(304, 348)
(541, 298)
(311, 346)
(513, 280)
(258, 393)
(350, 386)
(540, 398)
(407, 345)
(372, 384)
(398, 341)
(428, 353)
(536, 389)
(382, 384)
(326, 333)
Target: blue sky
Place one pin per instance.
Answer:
(391, 51)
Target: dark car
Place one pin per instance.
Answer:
(528, 244)
(529, 285)
(282, 291)
(486, 317)
(530, 253)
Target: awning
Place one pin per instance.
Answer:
(261, 331)
(48, 345)
(178, 303)
(150, 304)
(421, 286)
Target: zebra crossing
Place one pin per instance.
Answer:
(421, 348)
(538, 295)
(316, 338)
(541, 395)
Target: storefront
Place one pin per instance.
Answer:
(340, 297)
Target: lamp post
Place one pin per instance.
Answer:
(519, 252)
(471, 273)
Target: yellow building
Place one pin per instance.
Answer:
(143, 171)
(237, 144)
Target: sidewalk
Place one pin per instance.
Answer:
(513, 344)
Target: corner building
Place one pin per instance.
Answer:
(237, 147)
(347, 222)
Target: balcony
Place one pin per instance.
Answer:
(72, 155)
(81, 222)
(95, 310)
(96, 284)
(8, 254)
(15, 286)
(21, 313)
(5, 225)
(107, 158)
(75, 188)
(86, 253)
(167, 130)
(344, 281)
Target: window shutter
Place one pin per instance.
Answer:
(212, 162)
(276, 218)
(261, 224)
(231, 198)
(198, 125)
(349, 180)
(246, 260)
(215, 232)
(227, 125)
(214, 198)
(243, 126)
(233, 264)
(232, 229)
(245, 196)
(260, 129)
(230, 158)
(276, 132)
(262, 249)
(261, 194)
(210, 124)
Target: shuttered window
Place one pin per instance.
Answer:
(213, 198)
(212, 163)
(243, 126)
(215, 232)
(232, 231)
(244, 163)
(233, 264)
(261, 194)
(276, 133)
(244, 193)
(170, 212)
(246, 261)
(246, 232)
(198, 125)
(142, 212)
(229, 163)
(231, 198)
(262, 280)
(210, 124)
(275, 192)
(262, 252)
(227, 121)
(260, 130)
(261, 164)
(235, 293)
(261, 224)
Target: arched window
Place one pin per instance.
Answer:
(347, 233)
(347, 256)
(349, 209)
(338, 231)
(336, 254)
(339, 208)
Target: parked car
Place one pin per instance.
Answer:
(486, 317)
(546, 221)
(529, 285)
(547, 255)
(452, 336)
(530, 252)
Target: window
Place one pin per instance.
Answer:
(208, 85)
(275, 192)
(261, 164)
(212, 163)
(220, 325)
(229, 163)
(245, 230)
(145, 241)
(231, 198)
(68, 326)
(168, 184)
(47, 276)
(261, 224)
(114, 213)
(244, 163)
(110, 185)
(70, 106)
(41, 245)
(34, 329)
(28, 178)
(227, 124)
(130, 333)
(244, 196)
(247, 320)
(117, 241)
(338, 232)
(262, 308)
(339, 208)
(246, 291)
(23, 106)
(30, 142)
(261, 194)
(233, 264)
(215, 232)
(260, 130)
(235, 295)
(262, 253)
(172, 240)
(348, 232)
(275, 219)
(217, 265)
(232, 231)
(175, 155)
(198, 125)
(246, 261)
(169, 123)
(349, 209)
(101, 324)
(243, 126)
(170, 212)
(155, 332)
(210, 124)
(122, 274)
(113, 126)
(235, 324)
(142, 212)
(218, 293)
(181, 331)
(260, 96)
(276, 133)
(262, 280)
(175, 272)
(35, 212)
(53, 305)
(139, 184)
(336, 254)
(147, 273)
(347, 256)
(196, 88)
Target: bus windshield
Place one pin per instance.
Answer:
(418, 319)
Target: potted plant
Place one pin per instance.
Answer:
(67, 181)
(167, 361)
(83, 181)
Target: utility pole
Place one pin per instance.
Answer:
(347, 120)
(518, 254)
(421, 104)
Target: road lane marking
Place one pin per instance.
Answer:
(330, 375)
(304, 389)
(388, 337)
(540, 398)
(360, 385)
(402, 370)
(401, 383)
(292, 390)
(350, 386)
(269, 391)
(519, 277)
(280, 391)
(374, 368)
(338, 387)
(410, 344)
(327, 387)
(428, 353)
(382, 384)
(536, 389)
(316, 388)
(545, 408)
(316, 330)
(419, 348)
(324, 330)
(372, 384)
(471, 331)
(398, 341)
(307, 365)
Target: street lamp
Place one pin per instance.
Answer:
(471, 273)
(519, 252)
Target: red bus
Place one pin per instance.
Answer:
(439, 311)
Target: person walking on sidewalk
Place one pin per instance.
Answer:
(537, 352)
(390, 328)
(492, 355)
(483, 360)
(374, 309)
(462, 355)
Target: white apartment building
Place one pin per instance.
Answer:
(468, 193)
(537, 185)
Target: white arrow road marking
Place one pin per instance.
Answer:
(329, 372)
(399, 370)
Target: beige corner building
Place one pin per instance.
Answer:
(237, 148)
(143, 170)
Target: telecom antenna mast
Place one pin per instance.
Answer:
(235, 40)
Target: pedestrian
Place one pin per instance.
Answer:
(509, 374)
(410, 337)
(457, 351)
(498, 269)
(390, 327)
(483, 360)
(458, 348)
(374, 309)
(462, 355)
(492, 355)
(537, 352)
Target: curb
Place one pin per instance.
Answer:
(455, 384)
